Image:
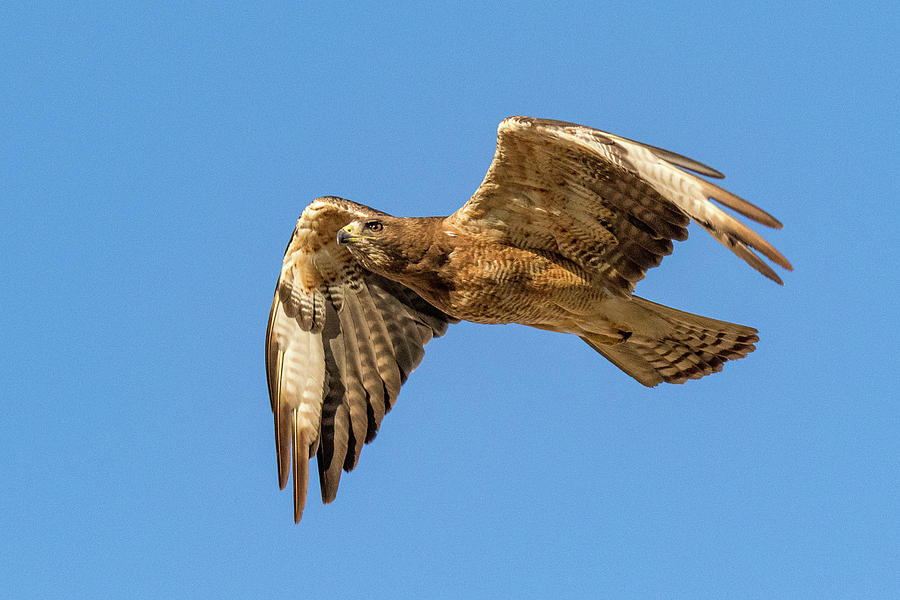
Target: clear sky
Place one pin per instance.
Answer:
(153, 161)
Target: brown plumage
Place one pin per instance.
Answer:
(567, 220)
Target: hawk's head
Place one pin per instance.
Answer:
(380, 244)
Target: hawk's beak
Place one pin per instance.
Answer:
(344, 236)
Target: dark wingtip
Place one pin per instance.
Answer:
(684, 162)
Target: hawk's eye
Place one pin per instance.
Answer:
(375, 226)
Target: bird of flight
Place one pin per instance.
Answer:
(567, 220)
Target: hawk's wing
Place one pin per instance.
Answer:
(341, 341)
(603, 201)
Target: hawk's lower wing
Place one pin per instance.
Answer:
(603, 201)
(340, 342)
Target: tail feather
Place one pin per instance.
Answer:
(667, 345)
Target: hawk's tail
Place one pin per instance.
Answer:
(671, 345)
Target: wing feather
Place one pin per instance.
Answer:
(369, 376)
(355, 396)
(405, 335)
(385, 357)
(604, 201)
(339, 344)
(335, 415)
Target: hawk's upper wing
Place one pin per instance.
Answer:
(603, 201)
(341, 341)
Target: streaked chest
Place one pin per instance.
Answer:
(495, 283)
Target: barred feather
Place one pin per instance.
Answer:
(668, 345)
(641, 194)
(335, 356)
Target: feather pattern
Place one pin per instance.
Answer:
(628, 201)
(339, 344)
(672, 346)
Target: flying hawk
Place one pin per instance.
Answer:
(567, 220)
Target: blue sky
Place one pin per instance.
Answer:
(153, 161)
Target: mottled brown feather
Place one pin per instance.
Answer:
(543, 168)
(369, 333)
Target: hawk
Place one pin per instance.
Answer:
(567, 220)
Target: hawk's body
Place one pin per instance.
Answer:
(485, 281)
(567, 220)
